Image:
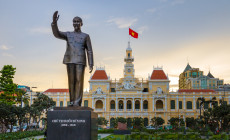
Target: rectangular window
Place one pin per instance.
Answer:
(189, 105)
(113, 90)
(172, 104)
(197, 105)
(86, 103)
(180, 104)
(146, 90)
(61, 104)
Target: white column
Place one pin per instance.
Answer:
(153, 104)
(177, 103)
(105, 104)
(116, 104)
(165, 103)
(65, 101)
(133, 104)
(93, 103)
(194, 103)
(141, 104)
(58, 103)
(184, 102)
(125, 104)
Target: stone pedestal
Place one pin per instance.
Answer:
(72, 123)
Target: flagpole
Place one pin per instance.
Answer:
(129, 35)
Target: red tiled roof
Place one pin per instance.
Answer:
(99, 75)
(196, 90)
(57, 90)
(158, 74)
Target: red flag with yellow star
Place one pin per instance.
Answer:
(133, 33)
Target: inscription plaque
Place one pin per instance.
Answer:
(70, 124)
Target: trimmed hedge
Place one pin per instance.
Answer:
(20, 135)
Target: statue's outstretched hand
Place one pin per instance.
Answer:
(55, 17)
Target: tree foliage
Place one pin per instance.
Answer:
(157, 121)
(138, 122)
(176, 122)
(102, 121)
(7, 86)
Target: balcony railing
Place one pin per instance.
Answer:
(129, 109)
(112, 109)
(120, 109)
(159, 109)
(145, 109)
(137, 109)
(98, 109)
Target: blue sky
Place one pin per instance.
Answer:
(171, 33)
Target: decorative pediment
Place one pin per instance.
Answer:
(127, 85)
(99, 91)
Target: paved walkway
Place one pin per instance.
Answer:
(103, 135)
(42, 136)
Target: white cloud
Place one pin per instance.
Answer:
(4, 47)
(122, 22)
(7, 54)
(142, 29)
(41, 30)
(153, 10)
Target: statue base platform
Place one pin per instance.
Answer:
(72, 123)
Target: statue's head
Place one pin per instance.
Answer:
(77, 23)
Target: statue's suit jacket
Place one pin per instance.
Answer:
(78, 44)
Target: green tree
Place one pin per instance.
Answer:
(121, 119)
(174, 122)
(129, 122)
(138, 122)
(21, 96)
(40, 105)
(190, 122)
(7, 116)
(221, 114)
(157, 121)
(102, 121)
(7, 85)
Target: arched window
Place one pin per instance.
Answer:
(189, 105)
(145, 104)
(137, 104)
(86, 103)
(146, 121)
(129, 104)
(61, 103)
(99, 104)
(112, 104)
(159, 104)
(120, 104)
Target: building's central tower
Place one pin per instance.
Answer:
(129, 67)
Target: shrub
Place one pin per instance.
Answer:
(20, 135)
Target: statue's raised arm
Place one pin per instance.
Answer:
(55, 17)
(56, 32)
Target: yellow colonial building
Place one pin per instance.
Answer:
(131, 97)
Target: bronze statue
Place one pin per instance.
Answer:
(78, 44)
